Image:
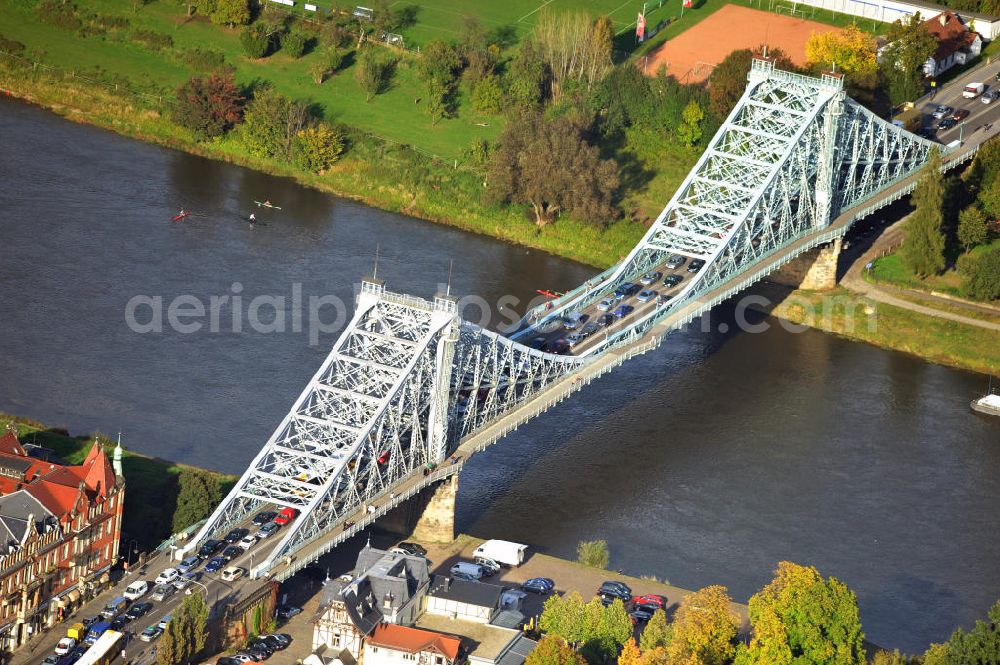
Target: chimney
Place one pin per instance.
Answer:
(943, 18)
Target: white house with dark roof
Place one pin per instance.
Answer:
(460, 599)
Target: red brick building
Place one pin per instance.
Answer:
(60, 528)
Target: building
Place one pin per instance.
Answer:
(61, 527)
(889, 11)
(957, 44)
(390, 644)
(458, 599)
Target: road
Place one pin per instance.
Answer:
(980, 114)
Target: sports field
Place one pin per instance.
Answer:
(691, 55)
(443, 18)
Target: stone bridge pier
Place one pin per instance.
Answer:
(428, 517)
(815, 270)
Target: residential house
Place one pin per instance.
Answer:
(957, 45)
(402, 645)
(460, 599)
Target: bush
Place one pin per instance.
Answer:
(156, 41)
(231, 12)
(294, 44)
(256, 41)
(487, 96)
(316, 149)
(58, 14)
(593, 553)
(209, 106)
(205, 60)
(11, 46)
(982, 275)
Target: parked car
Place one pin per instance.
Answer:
(623, 311)
(167, 576)
(642, 613)
(65, 645)
(151, 633)
(264, 516)
(696, 265)
(672, 280)
(675, 261)
(412, 548)
(210, 547)
(650, 278)
(247, 542)
(138, 610)
(266, 530)
(615, 590)
(286, 515)
(278, 641)
(214, 564)
(286, 612)
(489, 566)
(188, 564)
(606, 305)
(232, 573)
(942, 110)
(228, 660)
(646, 295)
(232, 552)
(651, 599)
(163, 592)
(539, 585)
(236, 535)
(164, 621)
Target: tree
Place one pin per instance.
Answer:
(657, 633)
(981, 275)
(593, 553)
(374, 71)
(575, 48)
(294, 44)
(972, 227)
(564, 616)
(553, 650)
(316, 149)
(438, 69)
(526, 77)
(256, 41)
(231, 12)
(198, 494)
(923, 249)
(910, 44)
(630, 654)
(209, 106)
(989, 195)
(689, 131)
(170, 649)
(884, 657)
(979, 645)
(548, 165)
(487, 95)
(800, 617)
(271, 123)
(850, 51)
(728, 81)
(704, 629)
(478, 52)
(328, 63)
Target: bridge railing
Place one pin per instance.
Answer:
(541, 312)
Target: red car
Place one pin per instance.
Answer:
(383, 456)
(650, 599)
(960, 114)
(285, 516)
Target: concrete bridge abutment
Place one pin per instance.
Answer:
(815, 270)
(428, 517)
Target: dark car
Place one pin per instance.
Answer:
(210, 547)
(673, 280)
(615, 590)
(605, 320)
(623, 311)
(696, 265)
(214, 564)
(278, 641)
(589, 329)
(286, 612)
(559, 346)
(412, 548)
(641, 613)
(625, 290)
(119, 622)
(138, 610)
(229, 660)
(259, 649)
(236, 535)
(264, 516)
(231, 552)
(539, 585)
(537, 343)
(960, 114)
(947, 123)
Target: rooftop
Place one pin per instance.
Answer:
(414, 640)
(470, 593)
(483, 640)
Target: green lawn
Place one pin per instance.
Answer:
(891, 270)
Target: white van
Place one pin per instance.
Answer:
(502, 551)
(136, 590)
(973, 90)
(466, 569)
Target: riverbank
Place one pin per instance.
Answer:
(151, 482)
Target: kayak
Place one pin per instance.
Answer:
(265, 204)
(178, 218)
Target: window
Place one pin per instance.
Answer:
(438, 660)
(409, 656)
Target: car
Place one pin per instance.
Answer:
(266, 530)
(606, 305)
(242, 657)
(163, 592)
(259, 649)
(623, 311)
(650, 278)
(51, 659)
(539, 585)
(646, 295)
(673, 280)
(119, 623)
(136, 590)
(615, 590)
(990, 96)
(589, 329)
(696, 265)
(236, 535)
(642, 613)
(210, 547)
(941, 111)
(214, 564)
(465, 577)
(489, 566)
(188, 564)
(960, 114)
(231, 552)
(151, 633)
(286, 612)
(625, 290)
(278, 641)
(537, 343)
(675, 261)
(382, 458)
(263, 517)
(574, 321)
(559, 346)
(232, 573)
(167, 576)
(286, 515)
(65, 645)
(663, 299)
(164, 621)
(138, 610)
(947, 123)
(651, 599)
(247, 542)
(184, 581)
(574, 338)
(228, 660)
(605, 320)
(412, 548)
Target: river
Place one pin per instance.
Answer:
(706, 461)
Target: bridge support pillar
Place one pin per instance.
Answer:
(437, 524)
(815, 270)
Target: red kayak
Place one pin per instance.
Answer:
(178, 218)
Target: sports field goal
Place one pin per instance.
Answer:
(795, 11)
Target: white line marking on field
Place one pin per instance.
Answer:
(541, 6)
(627, 2)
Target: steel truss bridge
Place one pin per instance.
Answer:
(409, 383)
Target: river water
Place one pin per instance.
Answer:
(706, 461)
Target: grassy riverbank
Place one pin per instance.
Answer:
(151, 482)
(846, 314)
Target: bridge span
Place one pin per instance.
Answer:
(410, 391)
